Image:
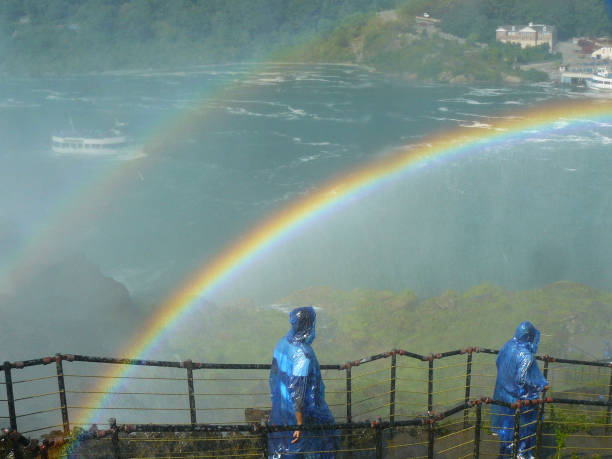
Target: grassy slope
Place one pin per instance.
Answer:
(357, 323)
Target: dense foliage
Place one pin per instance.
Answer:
(68, 36)
(480, 18)
(74, 35)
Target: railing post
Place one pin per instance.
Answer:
(349, 415)
(468, 383)
(62, 393)
(349, 410)
(264, 438)
(609, 400)
(517, 432)
(541, 411)
(430, 385)
(379, 441)
(10, 397)
(115, 438)
(392, 392)
(192, 406)
(430, 439)
(477, 431)
(430, 443)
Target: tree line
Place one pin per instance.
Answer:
(73, 35)
(67, 36)
(478, 19)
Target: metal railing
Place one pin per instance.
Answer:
(443, 396)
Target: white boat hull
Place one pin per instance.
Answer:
(602, 83)
(88, 152)
(90, 146)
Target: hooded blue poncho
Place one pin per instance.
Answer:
(296, 385)
(518, 378)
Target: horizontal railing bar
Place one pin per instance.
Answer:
(371, 358)
(574, 362)
(285, 428)
(153, 363)
(450, 353)
(166, 363)
(266, 366)
(269, 428)
(454, 410)
(484, 350)
(33, 362)
(174, 364)
(409, 354)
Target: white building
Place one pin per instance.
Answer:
(529, 35)
(602, 54)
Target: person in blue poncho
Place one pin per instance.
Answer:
(298, 393)
(518, 378)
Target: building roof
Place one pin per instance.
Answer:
(540, 28)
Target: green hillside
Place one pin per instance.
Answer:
(575, 320)
(74, 36)
(394, 42)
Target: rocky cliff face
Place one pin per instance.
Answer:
(69, 306)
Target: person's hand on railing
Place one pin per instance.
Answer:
(299, 417)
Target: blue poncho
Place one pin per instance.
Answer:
(296, 385)
(518, 378)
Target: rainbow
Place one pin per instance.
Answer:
(514, 127)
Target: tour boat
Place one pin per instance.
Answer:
(600, 80)
(90, 143)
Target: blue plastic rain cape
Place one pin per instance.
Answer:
(296, 385)
(518, 378)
